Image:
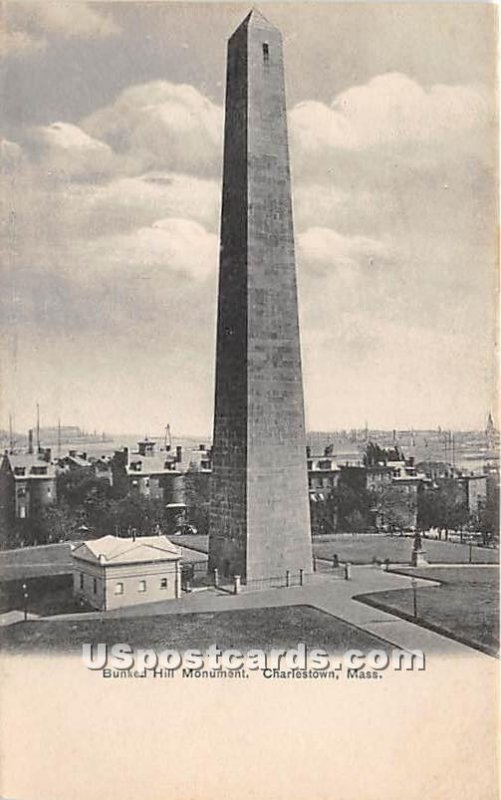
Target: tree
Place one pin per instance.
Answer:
(137, 513)
(444, 506)
(349, 499)
(395, 507)
(52, 523)
(197, 497)
(78, 487)
(323, 515)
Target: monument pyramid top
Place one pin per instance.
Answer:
(255, 19)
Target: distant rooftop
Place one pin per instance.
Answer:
(31, 463)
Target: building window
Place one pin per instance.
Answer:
(39, 470)
(81, 580)
(119, 588)
(266, 53)
(142, 586)
(94, 586)
(163, 583)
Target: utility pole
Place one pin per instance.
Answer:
(11, 434)
(167, 437)
(59, 437)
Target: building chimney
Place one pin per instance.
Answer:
(30, 441)
(146, 448)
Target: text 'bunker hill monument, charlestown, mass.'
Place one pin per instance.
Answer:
(259, 518)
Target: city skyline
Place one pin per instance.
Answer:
(113, 234)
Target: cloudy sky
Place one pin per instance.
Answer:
(111, 182)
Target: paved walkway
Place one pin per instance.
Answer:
(11, 617)
(334, 597)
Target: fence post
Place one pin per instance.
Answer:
(236, 584)
(287, 577)
(314, 563)
(301, 577)
(216, 577)
(178, 580)
(347, 571)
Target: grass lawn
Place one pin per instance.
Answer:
(362, 549)
(465, 606)
(198, 542)
(263, 628)
(52, 559)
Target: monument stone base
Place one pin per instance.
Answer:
(418, 558)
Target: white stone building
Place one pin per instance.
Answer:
(113, 572)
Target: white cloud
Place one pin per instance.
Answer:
(68, 149)
(391, 110)
(129, 202)
(19, 43)
(164, 125)
(324, 251)
(73, 19)
(117, 221)
(11, 155)
(76, 19)
(28, 25)
(173, 244)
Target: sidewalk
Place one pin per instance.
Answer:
(334, 597)
(11, 617)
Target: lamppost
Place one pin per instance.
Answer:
(414, 597)
(25, 601)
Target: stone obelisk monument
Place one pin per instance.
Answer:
(259, 517)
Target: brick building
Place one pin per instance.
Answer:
(27, 484)
(148, 472)
(323, 476)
